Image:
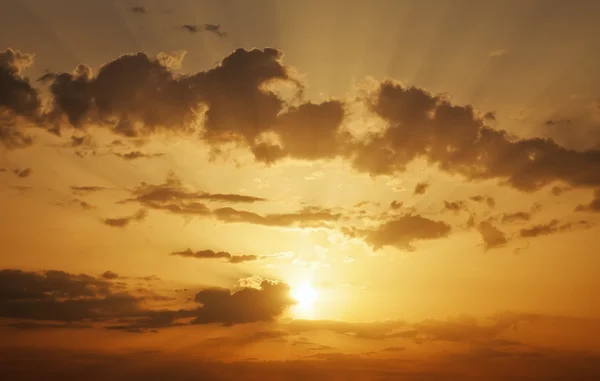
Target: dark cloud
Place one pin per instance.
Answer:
(22, 173)
(490, 201)
(216, 29)
(593, 206)
(403, 231)
(455, 206)
(209, 254)
(121, 222)
(552, 227)
(138, 9)
(136, 95)
(132, 95)
(558, 190)
(244, 306)
(133, 155)
(192, 28)
(63, 297)
(509, 218)
(174, 197)
(212, 28)
(491, 235)
(18, 99)
(456, 140)
(396, 204)
(421, 188)
(110, 275)
(83, 190)
(237, 103)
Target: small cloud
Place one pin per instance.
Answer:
(421, 188)
(133, 155)
(558, 190)
(492, 236)
(216, 29)
(110, 275)
(192, 28)
(212, 28)
(122, 222)
(349, 260)
(22, 173)
(138, 9)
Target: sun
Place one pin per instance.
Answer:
(306, 296)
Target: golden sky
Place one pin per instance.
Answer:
(290, 190)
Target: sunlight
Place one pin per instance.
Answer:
(306, 296)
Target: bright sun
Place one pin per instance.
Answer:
(306, 296)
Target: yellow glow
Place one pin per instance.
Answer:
(306, 296)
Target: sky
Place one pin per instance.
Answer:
(290, 190)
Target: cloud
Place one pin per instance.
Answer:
(308, 217)
(403, 231)
(137, 96)
(491, 235)
(134, 155)
(212, 28)
(421, 188)
(22, 173)
(138, 9)
(455, 206)
(18, 99)
(552, 227)
(121, 222)
(62, 297)
(558, 190)
(396, 204)
(209, 254)
(216, 29)
(84, 190)
(174, 197)
(593, 206)
(456, 140)
(110, 275)
(509, 218)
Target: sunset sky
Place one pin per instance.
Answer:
(300, 189)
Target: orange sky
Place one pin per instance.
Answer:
(300, 189)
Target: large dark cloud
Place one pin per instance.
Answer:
(456, 140)
(232, 99)
(63, 297)
(136, 95)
